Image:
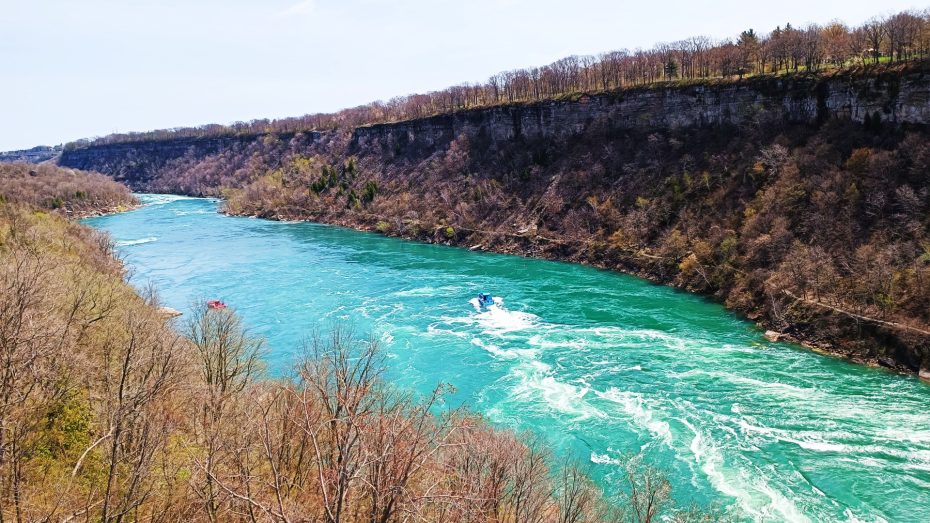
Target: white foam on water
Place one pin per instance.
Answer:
(499, 321)
(710, 460)
(541, 341)
(818, 446)
(810, 440)
(613, 336)
(140, 241)
(621, 368)
(162, 199)
(636, 407)
(686, 374)
(913, 459)
(436, 329)
(505, 354)
(496, 320)
(869, 462)
(535, 381)
(779, 504)
(906, 434)
(425, 291)
(852, 518)
(565, 397)
(603, 459)
(920, 483)
(771, 387)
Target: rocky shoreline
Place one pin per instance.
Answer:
(104, 211)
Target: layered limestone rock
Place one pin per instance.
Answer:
(893, 98)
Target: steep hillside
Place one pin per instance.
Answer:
(801, 201)
(70, 192)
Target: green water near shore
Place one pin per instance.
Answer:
(600, 364)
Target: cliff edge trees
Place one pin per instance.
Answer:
(894, 38)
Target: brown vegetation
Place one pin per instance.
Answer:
(71, 192)
(900, 37)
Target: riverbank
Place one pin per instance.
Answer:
(105, 211)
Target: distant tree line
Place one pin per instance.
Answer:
(900, 37)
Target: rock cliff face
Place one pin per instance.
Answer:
(138, 163)
(894, 99)
(899, 98)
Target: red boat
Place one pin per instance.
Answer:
(216, 304)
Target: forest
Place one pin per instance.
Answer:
(901, 37)
(112, 411)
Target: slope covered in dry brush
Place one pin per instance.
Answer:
(68, 191)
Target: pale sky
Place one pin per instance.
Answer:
(82, 68)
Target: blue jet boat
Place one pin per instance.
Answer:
(485, 300)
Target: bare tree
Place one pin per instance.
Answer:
(229, 361)
(141, 368)
(340, 376)
(875, 32)
(578, 496)
(648, 491)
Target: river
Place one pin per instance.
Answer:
(602, 365)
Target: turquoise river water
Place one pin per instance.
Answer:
(600, 364)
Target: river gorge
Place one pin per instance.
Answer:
(601, 365)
